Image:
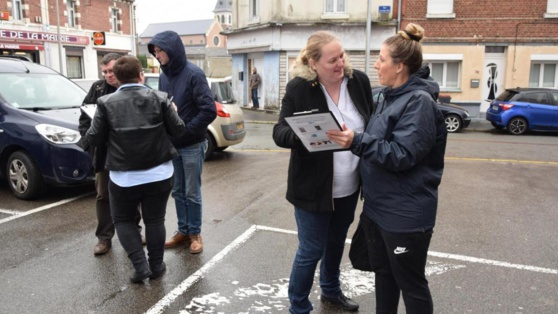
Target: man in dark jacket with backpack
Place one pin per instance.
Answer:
(187, 85)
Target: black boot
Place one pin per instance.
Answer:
(139, 277)
(158, 272)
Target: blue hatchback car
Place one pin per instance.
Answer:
(521, 109)
(39, 113)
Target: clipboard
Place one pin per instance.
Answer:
(311, 128)
(89, 110)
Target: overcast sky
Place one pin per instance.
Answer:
(161, 11)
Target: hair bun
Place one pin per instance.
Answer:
(411, 36)
(414, 32)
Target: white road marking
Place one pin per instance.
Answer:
(17, 215)
(492, 262)
(188, 282)
(10, 212)
(357, 282)
(273, 297)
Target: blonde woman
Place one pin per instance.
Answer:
(324, 186)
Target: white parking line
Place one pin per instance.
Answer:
(17, 215)
(188, 282)
(492, 262)
(167, 300)
(9, 212)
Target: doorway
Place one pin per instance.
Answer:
(493, 75)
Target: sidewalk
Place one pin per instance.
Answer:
(269, 116)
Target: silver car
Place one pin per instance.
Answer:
(228, 128)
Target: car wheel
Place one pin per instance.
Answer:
(453, 123)
(220, 149)
(24, 178)
(517, 126)
(499, 127)
(210, 146)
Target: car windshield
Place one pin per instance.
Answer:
(40, 91)
(223, 92)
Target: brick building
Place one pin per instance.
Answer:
(477, 48)
(30, 28)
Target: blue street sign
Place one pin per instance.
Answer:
(384, 9)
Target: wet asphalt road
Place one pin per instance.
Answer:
(495, 247)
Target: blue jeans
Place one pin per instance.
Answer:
(321, 236)
(255, 100)
(187, 187)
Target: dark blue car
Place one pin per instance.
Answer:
(39, 113)
(521, 109)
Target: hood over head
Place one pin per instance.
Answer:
(170, 42)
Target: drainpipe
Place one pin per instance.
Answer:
(368, 31)
(399, 15)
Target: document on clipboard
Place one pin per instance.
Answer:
(311, 128)
(89, 110)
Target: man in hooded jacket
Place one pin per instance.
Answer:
(187, 85)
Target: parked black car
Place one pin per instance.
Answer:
(39, 112)
(457, 118)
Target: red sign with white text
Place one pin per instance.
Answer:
(21, 47)
(4, 15)
(39, 36)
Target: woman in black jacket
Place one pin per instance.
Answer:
(322, 186)
(402, 153)
(135, 123)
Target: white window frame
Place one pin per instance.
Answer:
(440, 9)
(254, 11)
(540, 79)
(551, 9)
(429, 59)
(335, 13)
(17, 10)
(114, 20)
(71, 12)
(334, 5)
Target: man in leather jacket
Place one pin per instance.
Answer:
(105, 227)
(135, 123)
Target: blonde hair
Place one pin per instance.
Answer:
(313, 50)
(405, 47)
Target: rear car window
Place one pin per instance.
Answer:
(507, 95)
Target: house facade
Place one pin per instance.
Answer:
(478, 48)
(269, 35)
(69, 36)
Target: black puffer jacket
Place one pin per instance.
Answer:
(402, 157)
(135, 123)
